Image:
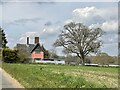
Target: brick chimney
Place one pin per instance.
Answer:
(27, 40)
(36, 40)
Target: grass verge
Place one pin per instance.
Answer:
(61, 76)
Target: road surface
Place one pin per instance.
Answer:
(6, 81)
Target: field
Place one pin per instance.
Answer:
(61, 76)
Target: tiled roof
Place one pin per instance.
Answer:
(37, 45)
(30, 48)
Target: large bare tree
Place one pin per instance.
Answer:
(79, 39)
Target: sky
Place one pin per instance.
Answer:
(46, 18)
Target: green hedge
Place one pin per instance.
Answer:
(10, 56)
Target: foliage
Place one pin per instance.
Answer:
(62, 76)
(75, 60)
(23, 57)
(69, 59)
(79, 39)
(102, 54)
(103, 59)
(87, 60)
(53, 54)
(3, 39)
(10, 56)
(22, 53)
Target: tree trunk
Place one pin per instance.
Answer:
(83, 60)
(83, 63)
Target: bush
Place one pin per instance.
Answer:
(10, 56)
(23, 57)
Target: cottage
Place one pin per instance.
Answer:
(34, 51)
(37, 53)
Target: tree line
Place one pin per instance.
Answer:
(99, 59)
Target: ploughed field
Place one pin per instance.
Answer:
(63, 76)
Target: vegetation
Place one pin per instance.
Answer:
(3, 39)
(22, 53)
(10, 56)
(79, 39)
(53, 54)
(101, 59)
(63, 76)
(104, 59)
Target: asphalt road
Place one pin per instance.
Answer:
(6, 81)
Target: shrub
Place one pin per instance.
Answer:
(10, 56)
(23, 57)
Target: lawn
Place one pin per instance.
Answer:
(63, 76)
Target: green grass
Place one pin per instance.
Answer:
(63, 76)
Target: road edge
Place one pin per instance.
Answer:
(13, 80)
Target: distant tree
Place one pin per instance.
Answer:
(102, 54)
(103, 59)
(116, 59)
(22, 52)
(79, 39)
(69, 59)
(3, 40)
(87, 60)
(53, 54)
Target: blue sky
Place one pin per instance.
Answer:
(46, 19)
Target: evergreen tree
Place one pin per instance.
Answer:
(3, 40)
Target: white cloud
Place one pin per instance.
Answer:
(51, 30)
(68, 21)
(94, 25)
(48, 31)
(31, 35)
(110, 26)
(84, 12)
(93, 15)
(87, 15)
